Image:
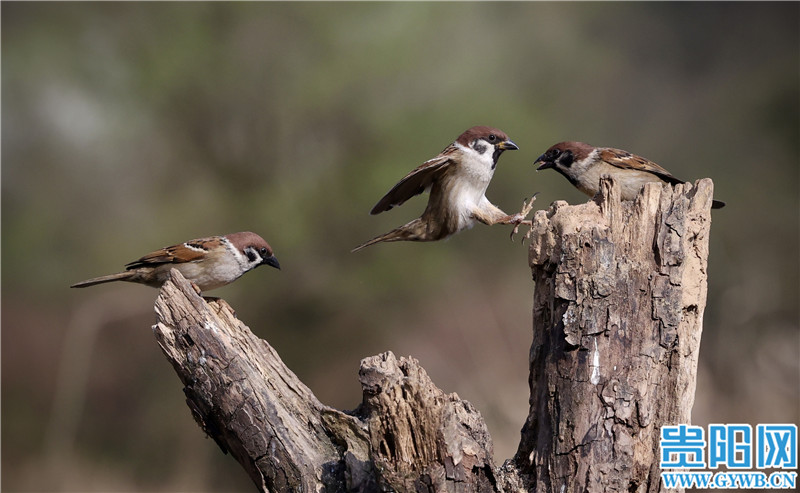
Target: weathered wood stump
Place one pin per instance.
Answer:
(620, 290)
(618, 314)
(407, 435)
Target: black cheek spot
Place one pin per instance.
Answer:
(479, 148)
(566, 159)
(251, 255)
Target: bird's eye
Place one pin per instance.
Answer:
(492, 137)
(263, 250)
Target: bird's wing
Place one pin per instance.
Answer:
(415, 182)
(625, 160)
(175, 254)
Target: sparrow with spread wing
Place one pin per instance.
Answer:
(457, 180)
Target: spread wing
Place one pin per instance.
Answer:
(175, 254)
(415, 182)
(625, 160)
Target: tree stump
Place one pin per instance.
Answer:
(618, 313)
(620, 291)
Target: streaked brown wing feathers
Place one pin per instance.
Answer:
(625, 160)
(175, 254)
(414, 183)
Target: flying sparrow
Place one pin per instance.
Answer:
(457, 180)
(207, 262)
(583, 165)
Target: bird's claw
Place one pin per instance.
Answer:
(527, 206)
(516, 229)
(519, 218)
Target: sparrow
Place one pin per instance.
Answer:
(207, 262)
(457, 180)
(583, 165)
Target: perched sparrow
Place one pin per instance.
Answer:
(207, 262)
(457, 180)
(583, 165)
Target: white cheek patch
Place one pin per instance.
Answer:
(237, 255)
(254, 253)
(477, 170)
(583, 164)
(479, 146)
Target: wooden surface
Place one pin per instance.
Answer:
(406, 435)
(618, 309)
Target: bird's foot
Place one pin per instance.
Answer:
(527, 235)
(518, 219)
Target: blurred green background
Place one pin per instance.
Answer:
(130, 126)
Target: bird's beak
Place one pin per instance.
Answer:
(507, 145)
(544, 164)
(272, 262)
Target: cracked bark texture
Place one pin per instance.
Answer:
(620, 289)
(406, 435)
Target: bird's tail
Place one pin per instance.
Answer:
(717, 204)
(121, 276)
(407, 232)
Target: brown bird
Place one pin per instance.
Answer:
(457, 180)
(583, 165)
(207, 262)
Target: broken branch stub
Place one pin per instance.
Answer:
(406, 435)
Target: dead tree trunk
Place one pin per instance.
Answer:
(619, 298)
(618, 312)
(407, 435)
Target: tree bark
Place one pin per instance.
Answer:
(619, 296)
(618, 312)
(407, 435)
